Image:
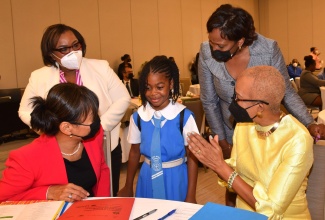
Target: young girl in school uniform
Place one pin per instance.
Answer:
(172, 172)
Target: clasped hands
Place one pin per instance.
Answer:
(69, 193)
(209, 154)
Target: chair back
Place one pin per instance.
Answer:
(316, 184)
(195, 105)
(186, 84)
(297, 81)
(9, 105)
(322, 93)
(294, 85)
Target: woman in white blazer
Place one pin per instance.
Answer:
(63, 50)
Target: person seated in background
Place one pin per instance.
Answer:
(126, 62)
(67, 161)
(132, 85)
(314, 52)
(309, 84)
(272, 152)
(294, 69)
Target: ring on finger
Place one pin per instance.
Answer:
(70, 196)
(198, 152)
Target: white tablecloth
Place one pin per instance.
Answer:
(195, 89)
(321, 117)
(184, 210)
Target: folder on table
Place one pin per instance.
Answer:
(215, 211)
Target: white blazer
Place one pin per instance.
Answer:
(96, 75)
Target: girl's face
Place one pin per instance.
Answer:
(158, 87)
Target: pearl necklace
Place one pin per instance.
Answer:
(269, 132)
(65, 154)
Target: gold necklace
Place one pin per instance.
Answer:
(65, 154)
(274, 127)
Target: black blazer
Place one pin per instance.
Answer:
(134, 87)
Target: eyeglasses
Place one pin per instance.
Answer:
(66, 50)
(248, 100)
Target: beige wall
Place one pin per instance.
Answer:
(297, 25)
(141, 28)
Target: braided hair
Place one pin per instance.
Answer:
(161, 65)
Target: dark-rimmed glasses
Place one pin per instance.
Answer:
(66, 50)
(236, 99)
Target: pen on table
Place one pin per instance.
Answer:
(145, 215)
(168, 214)
(63, 208)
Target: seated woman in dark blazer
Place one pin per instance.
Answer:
(309, 84)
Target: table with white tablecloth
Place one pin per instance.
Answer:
(195, 89)
(183, 210)
(321, 117)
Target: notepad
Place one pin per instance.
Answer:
(99, 209)
(34, 211)
(215, 211)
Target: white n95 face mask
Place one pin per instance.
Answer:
(72, 60)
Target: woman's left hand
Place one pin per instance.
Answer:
(317, 131)
(209, 154)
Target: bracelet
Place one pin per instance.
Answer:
(231, 179)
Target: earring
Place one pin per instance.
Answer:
(70, 136)
(172, 91)
(259, 114)
(239, 48)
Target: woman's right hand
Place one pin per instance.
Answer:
(209, 154)
(69, 192)
(125, 192)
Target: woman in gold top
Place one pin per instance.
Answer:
(272, 152)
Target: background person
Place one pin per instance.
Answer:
(131, 84)
(126, 61)
(63, 50)
(272, 152)
(294, 69)
(314, 52)
(159, 91)
(67, 161)
(309, 84)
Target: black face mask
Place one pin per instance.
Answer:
(94, 128)
(130, 76)
(222, 56)
(240, 114)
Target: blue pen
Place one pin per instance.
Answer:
(168, 214)
(63, 208)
